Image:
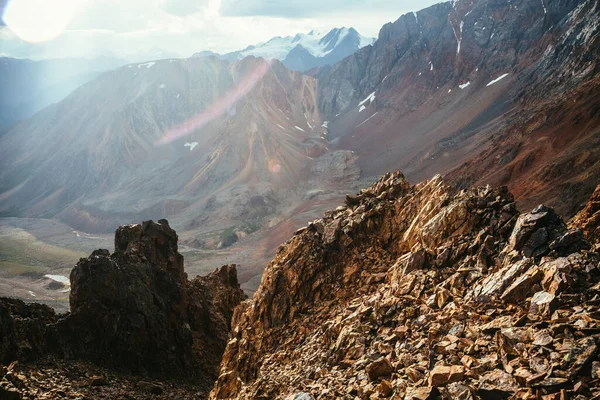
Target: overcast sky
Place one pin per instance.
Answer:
(122, 27)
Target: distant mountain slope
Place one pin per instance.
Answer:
(152, 54)
(508, 87)
(28, 86)
(304, 51)
(91, 160)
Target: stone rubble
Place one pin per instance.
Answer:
(422, 293)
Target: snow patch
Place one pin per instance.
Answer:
(147, 65)
(431, 66)
(458, 36)
(31, 293)
(309, 125)
(497, 80)
(162, 86)
(367, 119)
(59, 278)
(325, 124)
(361, 108)
(191, 145)
(464, 85)
(177, 96)
(544, 6)
(449, 90)
(297, 127)
(369, 98)
(281, 126)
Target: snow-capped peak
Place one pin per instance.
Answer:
(317, 42)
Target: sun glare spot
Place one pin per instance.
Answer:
(38, 20)
(274, 166)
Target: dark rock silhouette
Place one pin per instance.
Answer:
(134, 308)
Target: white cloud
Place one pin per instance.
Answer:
(184, 27)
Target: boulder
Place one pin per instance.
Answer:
(543, 303)
(378, 368)
(442, 375)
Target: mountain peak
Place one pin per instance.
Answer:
(321, 48)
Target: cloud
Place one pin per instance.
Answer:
(181, 8)
(313, 8)
(3, 4)
(278, 8)
(126, 27)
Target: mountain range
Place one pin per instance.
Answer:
(471, 272)
(303, 52)
(485, 92)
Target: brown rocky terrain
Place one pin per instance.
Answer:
(133, 311)
(588, 219)
(422, 292)
(412, 292)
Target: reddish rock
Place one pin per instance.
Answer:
(588, 219)
(378, 368)
(443, 375)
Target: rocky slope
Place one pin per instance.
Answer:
(588, 219)
(201, 141)
(503, 92)
(134, 310)
(422, 292)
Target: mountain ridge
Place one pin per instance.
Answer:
(456, 84)
(303, 52)
(418, 292)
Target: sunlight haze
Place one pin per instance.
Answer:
(180, 27)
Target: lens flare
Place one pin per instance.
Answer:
(225, 104)
(38, 21)
(274, 166)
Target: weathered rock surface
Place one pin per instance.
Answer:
(134, 308)
(24, 330)
(129, 308)
(588, 219)
(421, 293)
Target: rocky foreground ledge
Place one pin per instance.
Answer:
(406, 292)
(133, 311)
(423, 293)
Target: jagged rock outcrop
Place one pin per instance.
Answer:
(24, 330)
(134, 308)
(129, 308)
(588, 219)
(420, 293)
